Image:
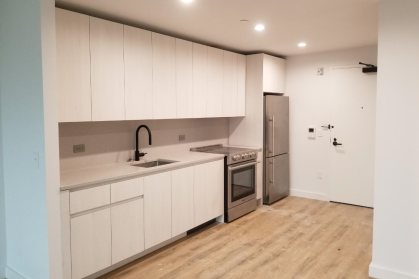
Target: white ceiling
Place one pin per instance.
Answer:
(323, 24)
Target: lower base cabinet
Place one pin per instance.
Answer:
(208, 191)
(127, 230)
(157, 208)
(172, 203)
(182, 201)
(90, 243)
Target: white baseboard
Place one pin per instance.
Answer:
(308, 195)
(13, 274)
(382, 273)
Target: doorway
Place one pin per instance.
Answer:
(352, 142)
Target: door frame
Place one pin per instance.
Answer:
(329, 150)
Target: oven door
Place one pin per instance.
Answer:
(241, 183)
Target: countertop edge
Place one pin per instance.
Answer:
(147, 172)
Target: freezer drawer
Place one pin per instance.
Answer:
(276, 125)
(277, 179)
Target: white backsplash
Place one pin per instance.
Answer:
(114, 142)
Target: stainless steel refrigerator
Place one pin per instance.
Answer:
(276, 147)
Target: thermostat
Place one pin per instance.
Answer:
(311, 132)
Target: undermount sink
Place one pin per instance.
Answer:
(151, 164)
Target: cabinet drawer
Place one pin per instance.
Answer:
(127, 189)
(90, 198)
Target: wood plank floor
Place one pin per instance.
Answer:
(294, 238)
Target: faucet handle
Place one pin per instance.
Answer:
(138, 155)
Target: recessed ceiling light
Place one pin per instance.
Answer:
(259, 27)
(302, 44)
(187, 1)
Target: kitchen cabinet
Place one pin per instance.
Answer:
(215, 76)
(73, 67)
(184, 97)
(164, 76)
(104, 225)
(90, 243)
(273, 74)
(89, 198)
(157, 208)
(200, 77)
(138, 63)
(241, 85)
(107, 70)
(230, 84)
(182, 200)
(208, 191)
(127, 189)
(127, 230)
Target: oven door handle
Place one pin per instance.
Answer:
(243, 166)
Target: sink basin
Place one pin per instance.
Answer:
(151, 164)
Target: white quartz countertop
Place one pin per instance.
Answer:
(86, 177)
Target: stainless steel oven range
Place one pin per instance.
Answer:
(240, 165)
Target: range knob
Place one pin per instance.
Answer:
(245, 156)
(253, 154)
(236, 157)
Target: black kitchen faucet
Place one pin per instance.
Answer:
(138, 155)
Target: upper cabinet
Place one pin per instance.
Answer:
(241, 85)
(230, 97)
(200, 77)
(273, 74)
(138, 63)
(215, 82)
(107, 71)
(73, 67)
(164, 76)
(107, 63)
(184, 97)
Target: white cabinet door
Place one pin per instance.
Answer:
(273, 74)
(138, 63)
(200, 76)
(127, 230)
(127, 189)
(164, 76)
(230, 84)
(184, 97)
(208, 191)
(157, 208)
(73, 67)
(241, 85)
(182, 200)
(107, 51)
(90, 243)
(215, 82)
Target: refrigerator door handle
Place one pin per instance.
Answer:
(272, 119)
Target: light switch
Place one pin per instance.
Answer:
(319, 175)
(35, 159)
(320, 132)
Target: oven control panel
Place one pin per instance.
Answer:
(244, 156)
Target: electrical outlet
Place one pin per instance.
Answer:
(320, 132)
(80, 148)
(182, 137)
(319, 175)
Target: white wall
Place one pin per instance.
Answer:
(309, 106)
(3, 248)
(396, 214)
(113, 142)
(29, 127)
